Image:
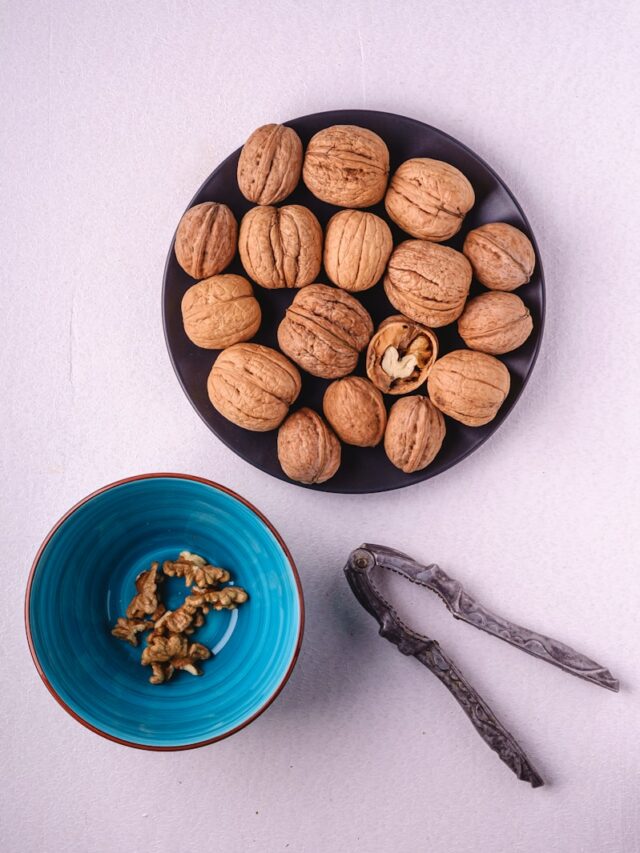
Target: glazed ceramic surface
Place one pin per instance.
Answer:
(83, 579)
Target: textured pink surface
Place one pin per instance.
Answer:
(112, 114)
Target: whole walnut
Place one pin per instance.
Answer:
(253, 386)
(428, 283)
(468, 386)
(308, 450)
(324, 330)
(429, 199)
(281, 246)
(400, 355)
(357, 246)
(495, 322)
(347, 166)
(356, 411)
(220, 311)
(414, 434)
(206, 239)
(270, 164)
(502, 257)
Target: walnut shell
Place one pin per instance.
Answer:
(270, 164)
(414, 435)
(429, 199)
(253, 386)
(428, 283)
(308, 450)
(495, 322)
(468, 386)
(281, 246)
(400, 355)
(206, 239)
(220, 311)
(502, 257)
(356, 411)
(356, 249)
(347, 166)
(324, 330)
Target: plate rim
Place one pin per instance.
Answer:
(541, 326)
(123, 741)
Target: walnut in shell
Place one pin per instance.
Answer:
(324, 330)
(469, 386)
(270, 164)
(220, 311)
(347, 166)
(308, 450)
(414, 433)
(356, 411)
(428, 283)
(495, 322)
(281, 246)
(253, 386)
(206, 239)
(502, 257)
(400, 355)
(429, 199)
(356, 249)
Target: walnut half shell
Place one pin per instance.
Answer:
(308, 450)
(324, 330)
(495, 322)
(400, 355)
(253, 386)
(469, 386)
(414, 434)
(270, 164)
(356, 411)
(220, 311)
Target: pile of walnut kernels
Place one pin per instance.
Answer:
(326, 328)
(169, 647)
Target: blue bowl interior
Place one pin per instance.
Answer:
(85, 579)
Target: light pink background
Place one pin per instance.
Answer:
(112, 114)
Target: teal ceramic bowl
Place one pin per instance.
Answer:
(83, 578)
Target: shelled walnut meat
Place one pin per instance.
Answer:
(428, 283)
(356, 249)
(400, 355)
(253, 386)
(429, 198)
(502, 256)
(206, 239)
(495, 322)
(281, 246)
(468, 386)
(414, 435)
(220, 311)
(324, 330)
(347, 166)
(270, 164)
(308, 450)
(355, 409)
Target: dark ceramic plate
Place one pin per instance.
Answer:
(363, 469)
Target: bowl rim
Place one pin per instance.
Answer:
(101, 732)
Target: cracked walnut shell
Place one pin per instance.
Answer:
(502, 256)
(324, 330)
(220, 311)
(414, 433)
(347, 166)
(356, 249)
(356, 411)
(206, 239)
(281, 246)
(270, 164)
(253, 386)
(308, 450)
(428, 283)
(495, 322)
(429, 199)
(400, 355)
(469, 386)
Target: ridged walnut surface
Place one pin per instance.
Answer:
(468, 386)
(356, 249)
(220, 311)
(502, 256)
(414, 434)
(355, 409)
(495, 323)
(270, 164)
(308, 450)
(206, 239)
